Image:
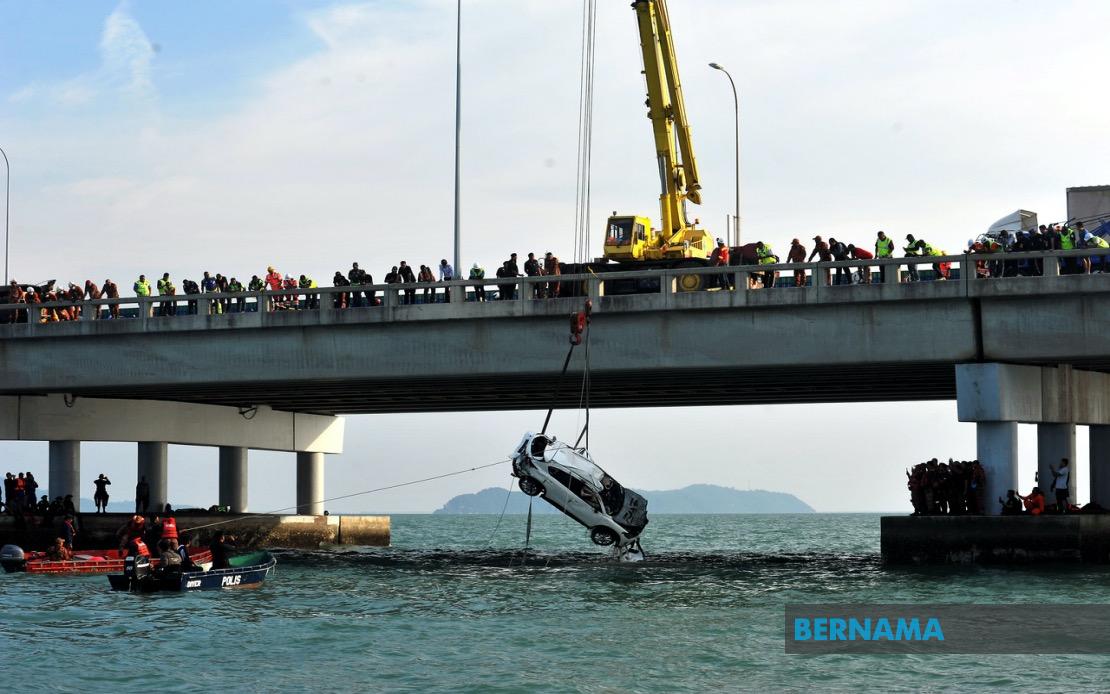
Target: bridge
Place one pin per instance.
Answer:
(733, 343)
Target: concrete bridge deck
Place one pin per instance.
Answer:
(818, 343)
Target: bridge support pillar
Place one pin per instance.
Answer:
(310, 482)
(233, 477)
(997, 444)
(65, 470)
(1100, 464)
(1055, 441)
(153, 457)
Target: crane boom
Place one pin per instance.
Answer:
(632, 238)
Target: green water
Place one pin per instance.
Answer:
(444, 610)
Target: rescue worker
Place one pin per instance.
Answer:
(222, 288)
(142, 289)
(911, 252)
(58, 551)
(884, 248)
(137, 548)
(341, 299)
(289, 300)
(168, 556)
(312, 301)
(134, 527)
(477, 272)
(221, 547)
(1067, 243)
(941, 269)
(169, 531)
(821, 250)
(256, 285)
(93, 293)
(766, 257)
(166, 288)
(356, 277)
(840, 253)
(719, 258)
(16, 295)
(273, 284)
(551, 269)
(69, 530)
(234, 286)
(864, 270)
(797, 254)
(1092, 241)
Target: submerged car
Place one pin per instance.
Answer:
(568, 479)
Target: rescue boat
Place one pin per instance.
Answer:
(86, 561)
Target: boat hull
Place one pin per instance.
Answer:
(93, 561)
(249, 571)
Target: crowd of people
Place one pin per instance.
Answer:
(230, 294)
(957, 487)
(419, 285)
(953, 488)
(1059, 237)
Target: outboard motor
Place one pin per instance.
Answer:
(12, 558)
(137, 571)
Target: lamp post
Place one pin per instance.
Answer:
(736, 108)
(458, 129)
(7, 203)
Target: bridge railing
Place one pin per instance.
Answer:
(818, 277)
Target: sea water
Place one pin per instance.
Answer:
(458, 604)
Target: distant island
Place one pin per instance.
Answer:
(697, 498)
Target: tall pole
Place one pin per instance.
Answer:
(7, 204)
(736, 111)
(458, 130)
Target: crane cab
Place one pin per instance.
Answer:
(626, 237)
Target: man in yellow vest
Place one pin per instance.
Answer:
(884, 248)
(142, 289)
(766, 257)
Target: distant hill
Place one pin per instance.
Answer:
(697, 498)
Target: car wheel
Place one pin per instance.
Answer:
(602, 536)
(530, 486)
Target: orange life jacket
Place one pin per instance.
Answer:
(169, 529)
(139, 548)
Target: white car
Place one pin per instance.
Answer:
(569, 480)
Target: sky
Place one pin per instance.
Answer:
(153, 137)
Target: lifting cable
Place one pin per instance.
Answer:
(348, 496)
(585, 132)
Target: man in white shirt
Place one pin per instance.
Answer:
(446, 274)
(1060, 484)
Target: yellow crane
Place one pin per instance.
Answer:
(631, 239)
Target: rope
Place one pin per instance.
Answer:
(508, 493)
(348, 496)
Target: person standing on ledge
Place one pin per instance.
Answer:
(1060, 485)
(142, 495)
(100, 497)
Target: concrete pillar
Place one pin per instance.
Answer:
(997, 443)
(65, 471)
(152, 465)
(1055, 441)
(1100, 464)
(310, 483)
(233, 476)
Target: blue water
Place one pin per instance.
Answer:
(453, 606)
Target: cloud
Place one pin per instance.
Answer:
(126, 52)
(125, 69)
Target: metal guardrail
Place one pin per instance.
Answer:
(528, 289)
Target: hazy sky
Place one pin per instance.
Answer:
(151, 137)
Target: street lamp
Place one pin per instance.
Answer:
(7, 203)
(736, 105)
(458, 129)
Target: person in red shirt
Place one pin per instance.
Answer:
(719, 258)
(797, 254)
(861, 254)
(273, 283)
(1034, 503)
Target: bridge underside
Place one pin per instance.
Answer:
(813, 384)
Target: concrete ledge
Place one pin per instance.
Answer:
(49, 418)
(252, 531)
(996, 539)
